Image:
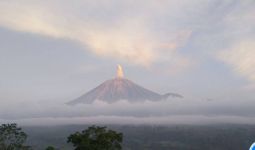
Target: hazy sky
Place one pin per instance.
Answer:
(52, 51)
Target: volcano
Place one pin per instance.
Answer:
(120, 88)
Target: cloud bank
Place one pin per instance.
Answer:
(114, 29)
(170, 111)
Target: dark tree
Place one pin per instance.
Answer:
(96, 138)
(50, 148)
(12, 138)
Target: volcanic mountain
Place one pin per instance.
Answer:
(120, 88)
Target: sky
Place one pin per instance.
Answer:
(53, 51)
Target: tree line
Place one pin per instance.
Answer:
(93, 138)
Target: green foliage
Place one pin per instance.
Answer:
(96, 138)
(12, 138)
(50, 148)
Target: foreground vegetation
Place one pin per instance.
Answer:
(93, 138)
(175, 137)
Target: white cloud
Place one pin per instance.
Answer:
(172, 107)
(241, 58)
(238, 50)
(165, 120)
(124, 33)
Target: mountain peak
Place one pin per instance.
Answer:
(120, 88)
